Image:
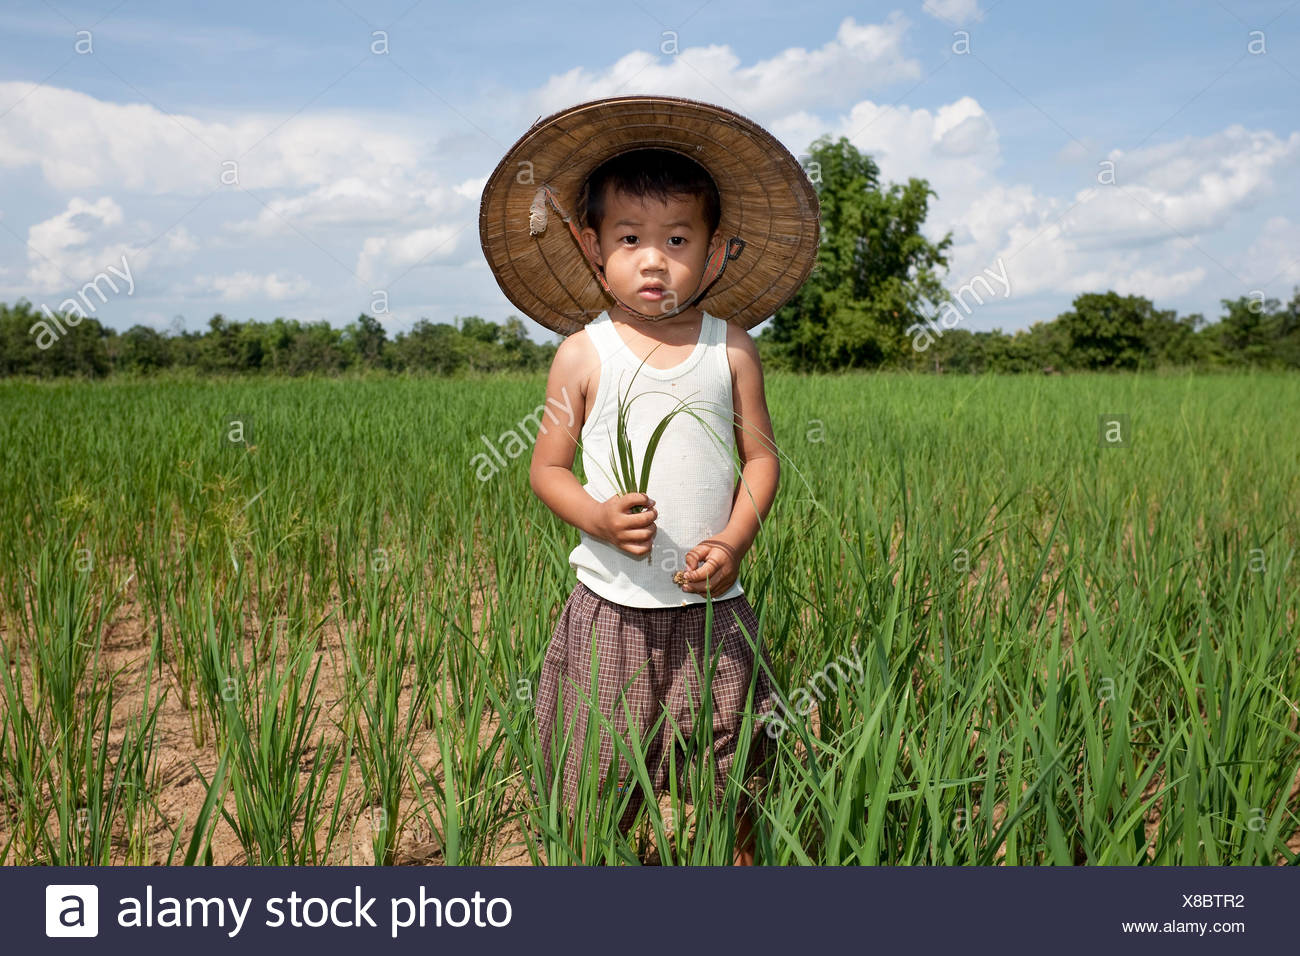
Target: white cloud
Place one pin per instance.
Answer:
(1157, 280)
(956, 147)
(1036, 237)
(1152, 282)
(135, 146)
(472, 189)
(73, 226)
(1274, 255)
(860, 57)
(964, 138)
(991, 214)
(72, 247)
(954, 11)
(181, 240)
(381, 256)
(248, 285)
(1129, 236)
(1192, 185)
(359, 202)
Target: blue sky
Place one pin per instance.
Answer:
(361, 171)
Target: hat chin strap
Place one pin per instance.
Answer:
(713, 267)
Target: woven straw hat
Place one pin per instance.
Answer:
(528, 217)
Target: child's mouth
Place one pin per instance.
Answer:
(654, 295)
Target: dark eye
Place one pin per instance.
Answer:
(633, 238)
(683, 240)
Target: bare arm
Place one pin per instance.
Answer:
(755, 444)
(551, 473)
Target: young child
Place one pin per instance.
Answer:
(656, 182)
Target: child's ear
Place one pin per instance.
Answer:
(591, 242)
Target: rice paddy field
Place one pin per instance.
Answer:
(1015, 620)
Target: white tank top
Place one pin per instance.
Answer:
(693, 475)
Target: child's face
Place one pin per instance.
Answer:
(646, 242)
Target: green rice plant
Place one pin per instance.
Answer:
(269, 727)
(58, 767)
(160, 584)
(24, 767)
(211, 638)
(470, 780)
(1090, 649)
(381, 727)
(199, 646)
(62, 634)
(428, 656)
(102, 785)
(200, 844)
(622, 460)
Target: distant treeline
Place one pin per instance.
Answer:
(282, 346)
(1101, 331)
(1109, 331)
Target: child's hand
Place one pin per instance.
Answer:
(625, 530)
(712, 561)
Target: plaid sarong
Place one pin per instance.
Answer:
(656, 657)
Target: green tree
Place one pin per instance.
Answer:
(317, 348)
(1170, 340)
(220, 349)
(1106, 330)
(874, 277)
(430, 347)
(1258, 332)
(367, 338)
(480, 330)
(19, 354)
(278, 337)
(142, 349)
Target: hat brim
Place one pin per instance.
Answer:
(767, 200)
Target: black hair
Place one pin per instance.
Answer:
(660, 173)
